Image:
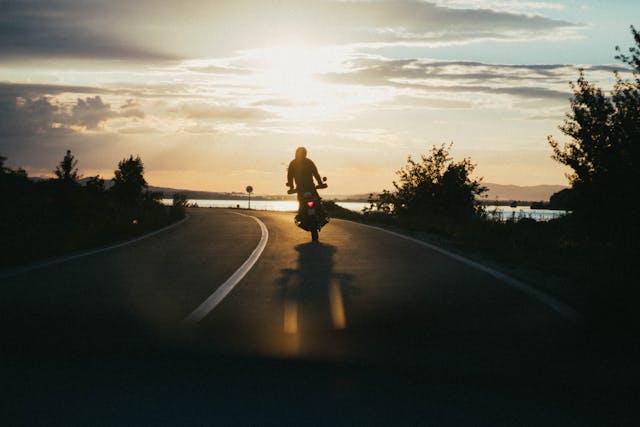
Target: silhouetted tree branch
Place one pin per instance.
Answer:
(67, 171)
(604, 146)
(129, 182)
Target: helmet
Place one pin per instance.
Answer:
(301, 153)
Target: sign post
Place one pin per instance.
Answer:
(249, 190)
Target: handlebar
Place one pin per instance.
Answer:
(293, 190)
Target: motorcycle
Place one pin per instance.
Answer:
(311, 216)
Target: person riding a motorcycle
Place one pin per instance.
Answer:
(302, 171)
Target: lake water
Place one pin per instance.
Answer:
(263, 205)
(506, 212)
(501, 212)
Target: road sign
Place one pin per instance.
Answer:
(249, 190)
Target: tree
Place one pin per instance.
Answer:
(12, 181)
(67, 171)
(180, 200)
(433, 189)
(604, 146)
(129, 182)
(95, 184)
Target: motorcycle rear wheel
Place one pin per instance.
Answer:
(314, 235)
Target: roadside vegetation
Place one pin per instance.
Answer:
(596, 250)
(49, 217)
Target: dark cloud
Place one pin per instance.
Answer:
(65, 29)
(525, 81)
(149, 30)
(34, 110)
(25, 116)
(134, 90)
(420, 22)
(376, 67)
(90, 113)
(36, 127)
(33, 90)
(163, 90)
(609, 68)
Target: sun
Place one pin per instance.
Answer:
(295, 76)
(291, 71)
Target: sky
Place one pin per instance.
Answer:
(217, 95)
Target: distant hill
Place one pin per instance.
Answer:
(196, 194)
(499, 192)
(533, 193)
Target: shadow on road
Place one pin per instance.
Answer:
(315, 298)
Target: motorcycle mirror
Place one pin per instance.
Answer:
(324, 178)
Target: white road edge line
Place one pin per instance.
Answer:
(60, 260)
(223, 290)
(556, 305)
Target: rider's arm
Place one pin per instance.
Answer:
(290, 175)
(314, 171)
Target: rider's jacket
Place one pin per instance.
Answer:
(303, 171)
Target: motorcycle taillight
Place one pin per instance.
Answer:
(310, 203)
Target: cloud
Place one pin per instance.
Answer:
(39, 122)
(429, 24)
(375, 67)
(66, 29)
(427, 76)
(90, 113)
(35, 110)
(30, 90)
(205, 111)
(25, 116)
(218, 69)
(155, 30)
(502, 5)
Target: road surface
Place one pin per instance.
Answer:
(363, 327)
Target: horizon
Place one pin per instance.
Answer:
(325, 193)
(218, 96)
(524, 194)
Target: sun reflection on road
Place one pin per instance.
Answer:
(337, 306)
(290, 317)
(314, 303)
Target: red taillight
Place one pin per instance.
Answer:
(310, 203)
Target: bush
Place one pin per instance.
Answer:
(434, 192)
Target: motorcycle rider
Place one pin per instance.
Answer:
(302, 170)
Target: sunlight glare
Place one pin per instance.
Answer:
(291, 71)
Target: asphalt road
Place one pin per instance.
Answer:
(361, 328)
